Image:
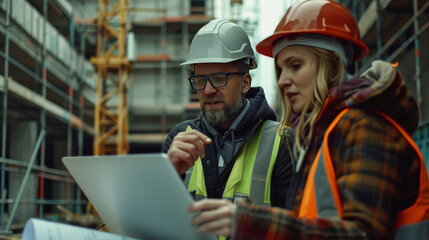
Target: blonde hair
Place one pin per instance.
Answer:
(330, 72)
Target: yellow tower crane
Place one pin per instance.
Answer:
(113, 68)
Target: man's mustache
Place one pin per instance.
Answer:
(213, 100)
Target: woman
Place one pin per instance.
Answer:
(358, 175)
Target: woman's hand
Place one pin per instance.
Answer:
(215, 216)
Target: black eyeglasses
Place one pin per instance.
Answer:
(217, 80)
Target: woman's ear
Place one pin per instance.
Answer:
(247, 82)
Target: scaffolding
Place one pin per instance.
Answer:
(47, 81)
(34, 88)
(394, 31)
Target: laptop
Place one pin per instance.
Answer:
(140, 196)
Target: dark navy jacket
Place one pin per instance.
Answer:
(258, 112)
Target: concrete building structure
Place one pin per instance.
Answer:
(48, 100)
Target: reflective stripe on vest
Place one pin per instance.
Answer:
(321, 198)
(250, 176)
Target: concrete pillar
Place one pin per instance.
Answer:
(23, 136)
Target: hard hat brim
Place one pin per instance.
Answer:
(265, 47)
(252, 64)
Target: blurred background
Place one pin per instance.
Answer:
(88, 77)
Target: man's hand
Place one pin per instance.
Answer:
(186, 148)
(215, 216)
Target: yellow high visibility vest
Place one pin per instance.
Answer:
(321, 198)
(250, 176)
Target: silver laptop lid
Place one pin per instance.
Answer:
(140, 196)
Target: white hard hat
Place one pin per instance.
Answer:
(220, 41)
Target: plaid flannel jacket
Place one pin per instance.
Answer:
(377, 171)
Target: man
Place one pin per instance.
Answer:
(233, 145)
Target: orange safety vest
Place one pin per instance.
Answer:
(321, 198)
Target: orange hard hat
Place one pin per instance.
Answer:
(323, 17)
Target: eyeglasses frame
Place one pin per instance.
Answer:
(207, 78)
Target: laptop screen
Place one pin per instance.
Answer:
(140, 196)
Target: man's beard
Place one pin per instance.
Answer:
(219, 117)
